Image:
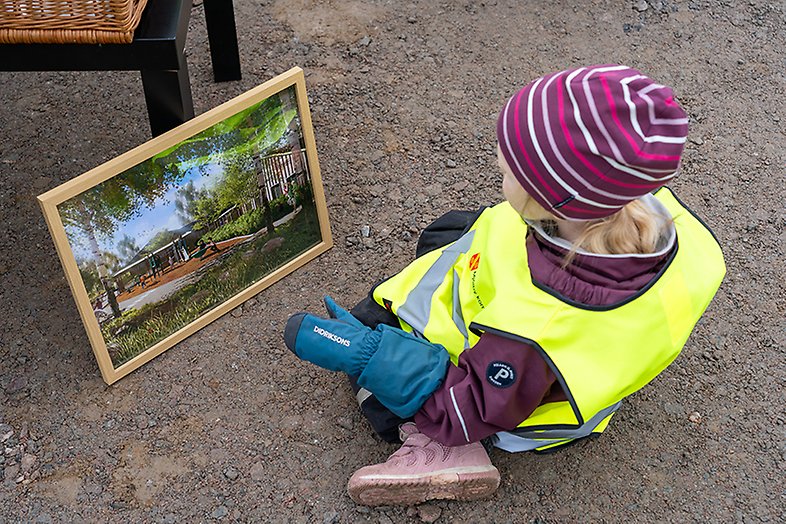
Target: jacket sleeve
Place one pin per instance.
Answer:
(496, 385)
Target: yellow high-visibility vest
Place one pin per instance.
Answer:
(599, 354)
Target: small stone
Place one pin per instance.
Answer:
(673, 408)
(28, 461)
(365, 41)
(412, 20)
(451, 163)
(93, 488)
(367, 242)
(695, 417)
(696, 140)
(433, 190)
(641, 5)
(429, 513)
(460, 185)
(384, 519)
(220, 512)
(237, 312)
(331, 517)
(43, 518)
(6, 436)
(257, 472)
(11, 471)
(231, 473)
(16, 385)
(365, 231)
(345, 423)
(377, 156)
(141, 422)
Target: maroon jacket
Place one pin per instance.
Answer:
(486, 409)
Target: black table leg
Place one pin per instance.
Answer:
(222, 35)
(168, 97)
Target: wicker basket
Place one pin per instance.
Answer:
(69, 21)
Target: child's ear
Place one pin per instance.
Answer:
(532, 210)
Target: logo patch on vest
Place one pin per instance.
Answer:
(500, 374)
(474, 261)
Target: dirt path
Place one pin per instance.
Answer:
(229, 427)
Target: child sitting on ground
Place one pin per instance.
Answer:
(526, 324)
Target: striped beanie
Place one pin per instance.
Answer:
(585, 142)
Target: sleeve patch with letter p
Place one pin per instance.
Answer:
(500, 374)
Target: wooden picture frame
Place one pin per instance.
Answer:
(243, 183)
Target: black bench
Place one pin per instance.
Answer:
(157, 51)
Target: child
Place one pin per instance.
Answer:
(212, 246)
(541, 313)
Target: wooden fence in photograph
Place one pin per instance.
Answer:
(276, 172)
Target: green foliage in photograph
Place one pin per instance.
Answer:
(251, 222)
(90, 278)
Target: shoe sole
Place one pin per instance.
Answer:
(408, 491)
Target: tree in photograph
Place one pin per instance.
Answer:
(206, 209)
(87, 271)
(186, 201)
(238, 184)
(97, 213)
(261, 175)
(128, 248)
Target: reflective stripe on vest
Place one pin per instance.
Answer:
(518, 440)
(598, 354)
(416, 309)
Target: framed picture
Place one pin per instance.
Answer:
(169, 236)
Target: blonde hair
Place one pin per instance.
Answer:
(635, 228)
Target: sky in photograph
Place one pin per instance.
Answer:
(161, 216)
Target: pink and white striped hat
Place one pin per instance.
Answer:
(587, 141)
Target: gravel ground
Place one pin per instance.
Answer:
(228, 426)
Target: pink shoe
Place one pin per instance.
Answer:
(423, 469)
